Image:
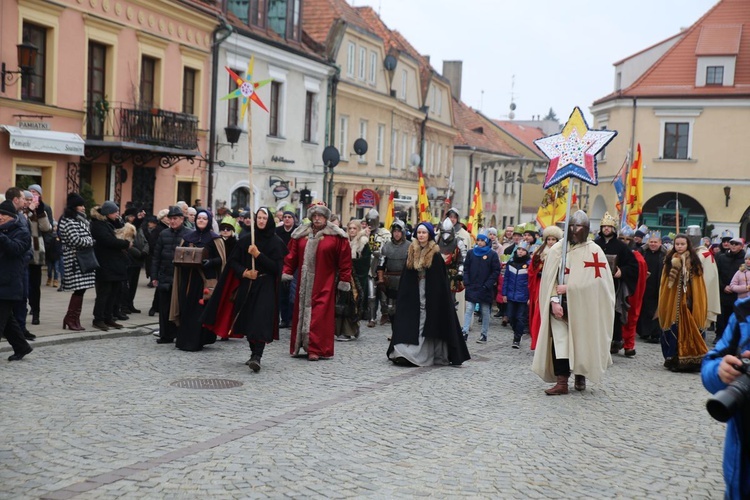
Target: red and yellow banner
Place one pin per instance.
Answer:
(553, 205)
(475, 214)
(389, 212)
(634, 196)
(424, 203)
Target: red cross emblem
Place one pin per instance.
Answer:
(596, 265)
(567, 270)
(708, 254)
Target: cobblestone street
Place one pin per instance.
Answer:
(100, 419)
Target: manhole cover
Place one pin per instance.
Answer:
(206, 383)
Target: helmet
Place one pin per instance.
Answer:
(447, 233)
(608, 220)
(694, 233)
(453, 211)
(373, 219)
(578, 228)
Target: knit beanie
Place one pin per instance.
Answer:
(74, 200)
(7, 208)
(108, 208)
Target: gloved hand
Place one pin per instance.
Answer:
(459, 277)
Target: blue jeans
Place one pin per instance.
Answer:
(485, 308)
(517, 317)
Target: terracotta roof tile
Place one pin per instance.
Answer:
(319, 15)
(674, 73)
(523, 133)
(475, 131)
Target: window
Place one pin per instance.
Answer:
(363, 135)
(494, 180)
(362, 62)
(404, 79)
(239, 8)
(432, 157)
(394, 144)
(148, 82)
(404, 142)
(308, 132)
(350, 59)
(715, 75)
(283, 18)
(439, 160)
(273, 127)
(439, 102)
(233, 105)
(33, 87)
(189, 79)
(95, 90)
(602, 155)
(343, 137)
(380, 145)
(373, 67)
(676, 140)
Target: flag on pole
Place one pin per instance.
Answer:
(552, 209)
(619, 184)
(475, 214)
(424, 203)
(634, 198)
(389, 213)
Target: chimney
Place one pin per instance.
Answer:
(452, 70)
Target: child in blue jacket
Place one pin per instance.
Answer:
(516, 291)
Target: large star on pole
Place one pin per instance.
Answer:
(246, 89)
(572, 152)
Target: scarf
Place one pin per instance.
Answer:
(481, 251)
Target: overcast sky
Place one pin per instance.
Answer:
(561, 52)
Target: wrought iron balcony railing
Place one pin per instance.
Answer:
(157, 127)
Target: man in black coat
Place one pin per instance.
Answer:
(110, 252)
(654, 254)
(162, 270)
(625, 274)
(15, 241)
(728, 264)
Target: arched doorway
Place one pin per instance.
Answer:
(240, 198)
(673, 212)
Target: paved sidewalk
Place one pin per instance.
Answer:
(54, 305)
(127, 418)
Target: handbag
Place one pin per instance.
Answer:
(87, 260)
(188, 256)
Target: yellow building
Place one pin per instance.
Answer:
(685, 101)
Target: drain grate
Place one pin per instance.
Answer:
(205, 383)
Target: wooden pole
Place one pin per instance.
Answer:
(561, 273)
(677, 212)
(250, 173)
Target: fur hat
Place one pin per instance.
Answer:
(608, 220)
(318, 207)
(163, 213)
(108, 208)
(553, 231)
(74, 200)
(7, 208)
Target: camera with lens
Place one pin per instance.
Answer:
(725, 403)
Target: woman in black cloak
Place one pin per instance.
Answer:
(254, 311)
(188, 286)
(425, 329)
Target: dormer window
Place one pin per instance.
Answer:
(715, 75)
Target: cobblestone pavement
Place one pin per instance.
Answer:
(100, 419)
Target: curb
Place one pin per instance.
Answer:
(67, 338)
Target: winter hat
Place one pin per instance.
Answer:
(287, 212)
(318, 207)
(430, 229)
(162, 213)
(130, 211)
(175, 211)
(74, 200)
(553, 231)
(492, 230)
(482, 237)
(108, 208)
(37, 188)
(7, 208)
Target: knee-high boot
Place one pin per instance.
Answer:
(72, 318)
(372, 305)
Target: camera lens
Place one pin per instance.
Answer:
(725, 403)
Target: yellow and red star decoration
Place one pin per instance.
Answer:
(572, 152)
(246, 89)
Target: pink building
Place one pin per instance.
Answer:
(116, 103)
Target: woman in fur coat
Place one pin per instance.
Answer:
(682, 308)
(550, 236)
(348, 311)
(426, 330)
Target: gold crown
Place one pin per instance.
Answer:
(608, 220)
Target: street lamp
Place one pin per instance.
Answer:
(27, 53)
(727, 191)
(331, 158)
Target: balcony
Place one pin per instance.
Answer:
(120, 122)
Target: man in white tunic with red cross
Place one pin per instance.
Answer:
(577, 315)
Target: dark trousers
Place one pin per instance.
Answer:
(35, 288)
(19, 307)
(560, 366)
(285, 303)
(10, 329)
(107, 294)
(167, 329)
(727, 308)
(134, 273)
(257, 348)
(517, 313)
(617, 328)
